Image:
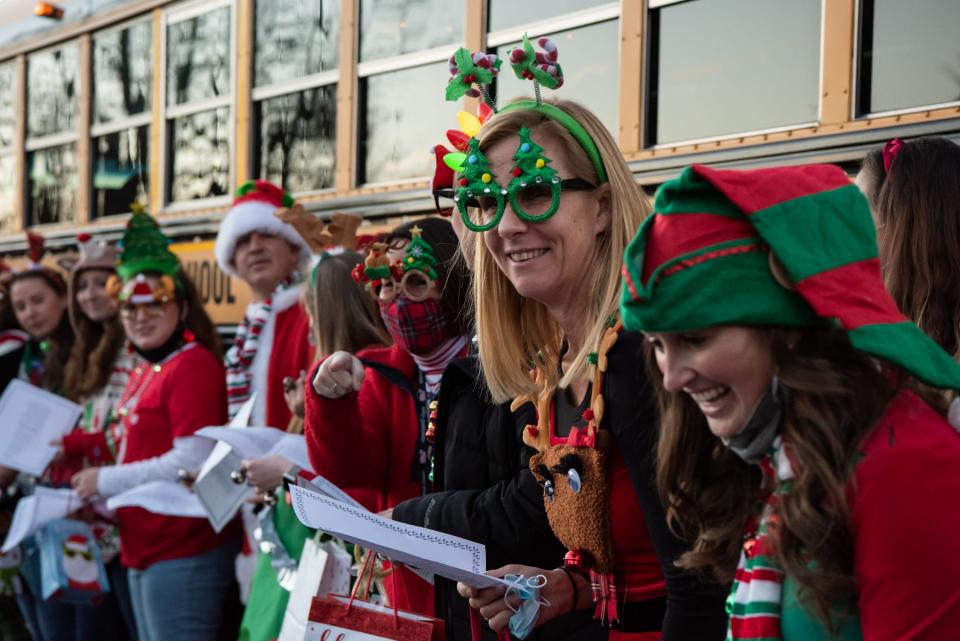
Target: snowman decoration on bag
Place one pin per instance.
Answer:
(80, 564)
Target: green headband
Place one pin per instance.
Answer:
(784, 247)
(570, 124)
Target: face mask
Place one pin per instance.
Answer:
(756, 436)
(525, 617)
(419, 327)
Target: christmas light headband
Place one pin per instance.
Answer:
(534, 189)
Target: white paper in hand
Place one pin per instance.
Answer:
(248, 442)
(214, 487)
(30, 418)
(38, 509)
(160, 497)
(449, 556)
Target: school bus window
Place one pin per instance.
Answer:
(8, 192)
(121, 117)
(394, 27)
(52, 185)
(720, 68)
(52, 113)
(597, 43)
(8, 111)
(199, 97)
(909, 55)
(120, 170)
(401, 111)
(295, 39)
(295, 72)
(504, 14)
(199, 156)
(52, 86)
(296, 139)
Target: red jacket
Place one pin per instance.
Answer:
(290, 354)
(906, 525)
(188, 393)
(364, 442)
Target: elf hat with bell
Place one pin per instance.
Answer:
(783, 247)
(252, 211)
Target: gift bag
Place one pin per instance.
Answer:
(335, 618)
(340, 618)
(71, 569)
(324, 569)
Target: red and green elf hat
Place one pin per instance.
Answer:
(708, 254)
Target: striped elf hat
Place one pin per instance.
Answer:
(785, 247)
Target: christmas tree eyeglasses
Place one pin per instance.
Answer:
(533, 192)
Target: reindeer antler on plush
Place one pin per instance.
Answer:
(310, 227)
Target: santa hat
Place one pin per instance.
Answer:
(784, 247)
(252, 210)
(77, 543)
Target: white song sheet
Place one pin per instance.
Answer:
(216, 491)
(449, 556)
(38, 509)
(160, 497)
(30, 418)
(248, 442)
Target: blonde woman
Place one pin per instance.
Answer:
(546, 288)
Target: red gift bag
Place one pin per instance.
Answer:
(335, 618)
(340, 618)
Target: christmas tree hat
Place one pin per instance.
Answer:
(145, 248)
(784, 247)
(419, 255)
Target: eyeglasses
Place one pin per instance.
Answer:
(533, 203)
(415, 286)
(153, 309)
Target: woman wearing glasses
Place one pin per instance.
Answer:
(367, 415)
(180, 570)
(546, 186)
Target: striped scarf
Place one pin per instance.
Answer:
(754, 604)
(240, 357)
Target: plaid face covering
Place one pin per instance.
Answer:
(418, 327)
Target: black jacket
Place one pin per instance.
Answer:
(488, 495)
(508, 516)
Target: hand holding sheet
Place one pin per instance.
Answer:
(30, 420)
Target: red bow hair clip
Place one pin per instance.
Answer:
(890, 151)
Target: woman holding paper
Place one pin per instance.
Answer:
(342, 317)
(181, 571)
(385, 455)
(97, 373)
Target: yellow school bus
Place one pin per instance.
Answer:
(174, 104)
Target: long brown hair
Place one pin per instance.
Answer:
(95, 348)
(345, 316)
(833, 395)
(916, 205)
(198, 321)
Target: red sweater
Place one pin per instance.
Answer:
(364, 443)
(906, 526)
(188, 393)
(290, 354)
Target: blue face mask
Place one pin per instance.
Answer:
(525, 617)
